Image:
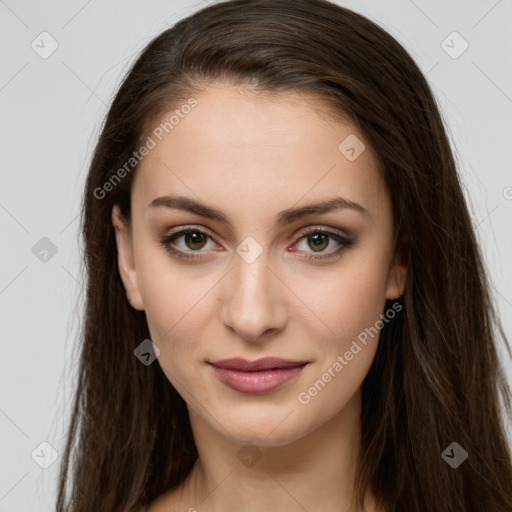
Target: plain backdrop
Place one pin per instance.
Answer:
(51, 107)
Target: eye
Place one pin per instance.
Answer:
(193, 241)
(189, 242)
(320, 239)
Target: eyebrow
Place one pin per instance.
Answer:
(284, 217)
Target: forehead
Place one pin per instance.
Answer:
(245, 149)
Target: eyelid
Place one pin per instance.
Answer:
(343, 240)
(300, 233)
(173, 235)
(183, 230)
(339, 237)
(323, 229)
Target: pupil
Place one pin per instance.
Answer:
(194, 239)
(318, 239)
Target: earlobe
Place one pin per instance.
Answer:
(397, 277)
(125, 260)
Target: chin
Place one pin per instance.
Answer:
(262, 438)
(264, 430)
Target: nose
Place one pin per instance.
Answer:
(252, 304)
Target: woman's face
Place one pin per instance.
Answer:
(248, 281)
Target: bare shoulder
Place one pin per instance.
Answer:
(169, 501)
(162, 504)
(179, 498)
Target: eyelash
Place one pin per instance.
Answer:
(168, 239)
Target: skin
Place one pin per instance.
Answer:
(251, 156)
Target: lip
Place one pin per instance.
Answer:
(256, 377)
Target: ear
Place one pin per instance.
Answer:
(125, 260)
(397, 275)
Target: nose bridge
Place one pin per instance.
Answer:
(251, 306)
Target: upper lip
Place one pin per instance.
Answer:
(265, 363)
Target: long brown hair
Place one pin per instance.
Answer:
(436, 378)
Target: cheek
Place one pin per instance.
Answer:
(344, 358)
(347, 303)
(351, 306)
(174, 303)
(170, 292)
(173, 314)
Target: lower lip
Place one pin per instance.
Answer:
(261, 381)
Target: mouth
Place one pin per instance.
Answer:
(256, 377)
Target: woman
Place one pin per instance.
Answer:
(286, 307)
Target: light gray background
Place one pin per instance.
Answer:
(51, 111)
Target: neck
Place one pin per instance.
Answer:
(315, 472)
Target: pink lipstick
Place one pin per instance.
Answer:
(256, 377)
